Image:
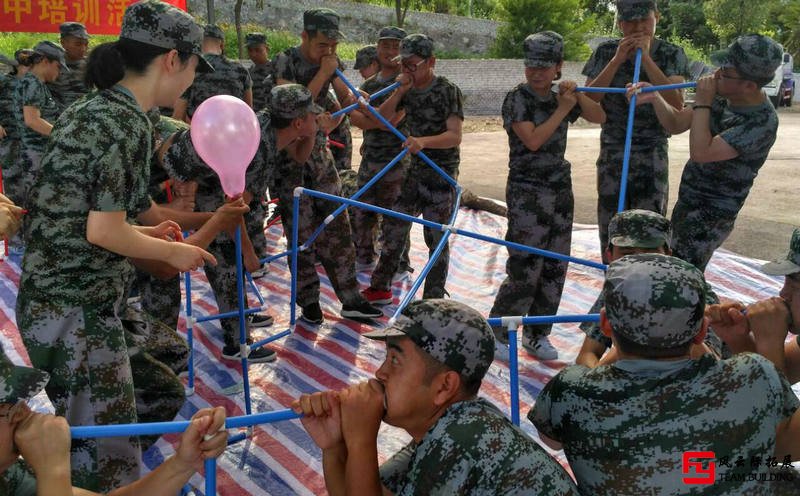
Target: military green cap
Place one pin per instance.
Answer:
(639, 229)
(290, 101)
(790, 264)
(326, 21)
(365, 56)
(544, 49)
(754, 56)
(18, 382)
(213, 31)
(253, 39)
(52, 52)
(75, 29)
(631, 10)
(654, 300)
(416, 44)
(391, 33)
(452, 333)
(162, 25)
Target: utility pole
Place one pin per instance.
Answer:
(210, 7)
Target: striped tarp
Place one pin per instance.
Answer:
(280, 459)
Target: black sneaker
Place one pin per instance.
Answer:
(259, 355)
(260, 320)
(312, 314)
(361, 311)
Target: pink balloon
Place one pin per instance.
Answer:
(225, 133)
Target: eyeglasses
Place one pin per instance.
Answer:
(413, 67)
(15, 413)
(722, 75)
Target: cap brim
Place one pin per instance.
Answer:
(628, 242)
(333, 34)
(383, 334)
(29, 382)
(780, 268)
(390, 38)
(203, 65)
(316, 109)
(539, 63)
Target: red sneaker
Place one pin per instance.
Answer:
(377, 296)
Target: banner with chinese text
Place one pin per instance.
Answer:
(44, 16)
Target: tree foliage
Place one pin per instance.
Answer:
(786, 16)
(731, 18)
(524, 17)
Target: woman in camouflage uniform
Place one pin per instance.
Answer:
(94, 177)
(10, 141)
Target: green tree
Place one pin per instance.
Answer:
(731, 18)
(689, 23)
(786, 23)
(524, 17)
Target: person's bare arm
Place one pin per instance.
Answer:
(248, 97)
(179, 110)
(590, 353)
(674, 121)
(388, 109)
(33, 119)
(448, 139)
(703, 146)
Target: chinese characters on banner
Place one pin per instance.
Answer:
(44, 16)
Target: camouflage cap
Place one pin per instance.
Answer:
(630, 10)
(654, 300)
(52, 52)
(754, 56)
(790, 264)
(22, 55)
(326, 21)
(290, 101)
(416, 44)
(75, 29)
(452, 333)
(544, 49)
(391, 33)
(213, 31)
(162, 25)
(365, 56)
(639, 229)
(18, 382)
(253, 39)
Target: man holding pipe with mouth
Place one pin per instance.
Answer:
(437, 353)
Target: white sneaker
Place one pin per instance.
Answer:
(264, 270)
(540, 347)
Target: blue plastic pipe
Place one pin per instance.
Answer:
(513, 367)
(626, 158)
(242, 323)
(377, 94)
(211, 476)
(295, 251)
(545, 319)
(189, 328)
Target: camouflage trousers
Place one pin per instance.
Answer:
(698, 228)
(384, 193)
(12, 170)
(334, 247)
(91, 383)
(254, 220)
(423, 192)
(648, 183)
(161, 299)
(342, 157)
(539, 215)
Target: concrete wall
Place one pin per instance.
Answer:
(361, 22)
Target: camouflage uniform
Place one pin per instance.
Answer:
(377, 150)
(34, 93)
(9, 146)
(540, 202)
(648, 186)
(626, 426)
(711, 194)
(334, 247)
(342, 157)
(424, 191)
(71, 291)
(228, 78)
(262, 75)
(472, 448)
(70, 84)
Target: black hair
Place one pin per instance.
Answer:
(645, 351)
(280, 122)
(108, 62)
(433, 367)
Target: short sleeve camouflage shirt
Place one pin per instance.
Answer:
(263, 82)
(427, 111)
(522, 104)
(379, 145)
(8, 86)
(625, 427)
(34, 93)
(98, 159)
(70, 84)
(474, 449)
(290, 65)
(672, 61)
(751, 131)
(228, 78)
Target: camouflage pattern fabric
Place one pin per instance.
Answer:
(790, 263)
(544, 49)
(18, 382)
(334, 247)
(323, 20)
(625, 426)
(540, 211)
(18, 480)
(160, 298)
(34, 93)
(711, 194)
(416, 44)
(262, 76)
(639, 228)
(754, 56)
(8, 84)
(630, 10)
(70, 85)
(379, 145)
(342, 157)
(10, 145)
(474, 449)
(228, 78)
(290, 65)
(648, 186)
(365, 56)
(97, 160)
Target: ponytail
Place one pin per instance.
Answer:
(109, 62)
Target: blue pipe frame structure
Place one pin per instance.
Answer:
(511, 323)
